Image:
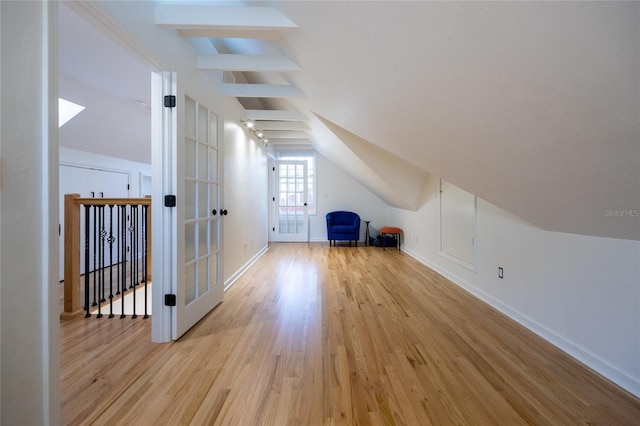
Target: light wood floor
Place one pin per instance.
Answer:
(109, 288)
(314, 335)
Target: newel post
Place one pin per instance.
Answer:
(72, 307)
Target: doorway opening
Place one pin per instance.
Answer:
(105, 149)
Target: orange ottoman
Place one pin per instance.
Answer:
(391, 230)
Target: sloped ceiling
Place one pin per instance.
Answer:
(403, 183)
(532, 106)
(112, 85)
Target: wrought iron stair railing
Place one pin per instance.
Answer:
(107, 254)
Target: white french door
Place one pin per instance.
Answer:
(192, 172)
(200, 290)
(291, 205)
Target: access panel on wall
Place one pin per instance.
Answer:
(457, 225)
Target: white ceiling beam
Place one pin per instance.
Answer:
(281, 125)
(257, 63)
(300, 141)
(261, 90)
(228, 33)
(284, 134)
(271, 114)
(221, 21)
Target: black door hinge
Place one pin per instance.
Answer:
(169, 200)
(169, 300)
(128, 187)
(274, 169)
(169, 101)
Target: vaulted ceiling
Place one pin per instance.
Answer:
(532, 106)
(113, 86)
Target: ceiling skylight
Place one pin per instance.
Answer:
(67, 110)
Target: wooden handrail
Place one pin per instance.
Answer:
(72, 202)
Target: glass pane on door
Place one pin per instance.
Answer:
(189, 198)
(189, 280)
(189, 239)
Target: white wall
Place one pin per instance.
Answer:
(28, 270)
(339, 191)
(581, 293)
(245, 196)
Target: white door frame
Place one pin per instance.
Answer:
(162, 156)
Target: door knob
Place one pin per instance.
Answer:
(214, 212)
(223, 212)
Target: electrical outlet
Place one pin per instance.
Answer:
(500, 272)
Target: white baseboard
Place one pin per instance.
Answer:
(233, 278)
(622, 379)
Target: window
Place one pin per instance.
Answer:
(310, 158)
(67, 110)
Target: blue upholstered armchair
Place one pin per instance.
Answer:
(343, 226)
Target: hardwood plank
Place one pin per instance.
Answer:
(313, 335)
